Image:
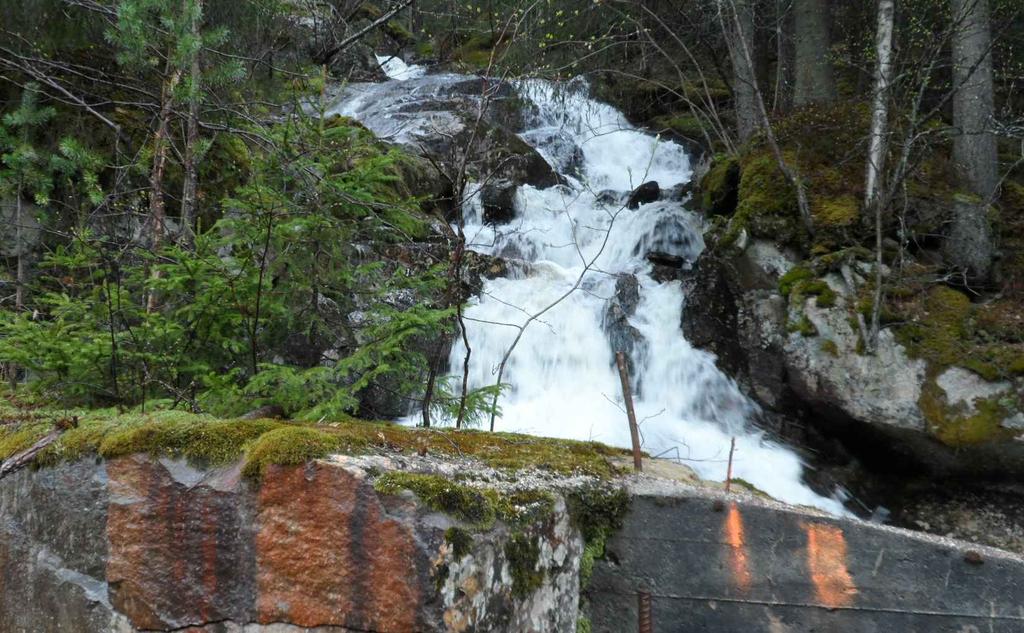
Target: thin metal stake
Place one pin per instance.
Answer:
(728, 473)
(644, 622)
(627, 395)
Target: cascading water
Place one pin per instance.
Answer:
(580, 240)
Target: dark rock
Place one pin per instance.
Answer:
(718, 193)
(563, 151)
(659, 258)
(623, 337)
(673, 243)
(269, 411)
(610, 198)
(357, 63)
(498, 200)
(644, 194)
(734, 310)
(678, 193)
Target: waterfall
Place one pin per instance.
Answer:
(584, 247)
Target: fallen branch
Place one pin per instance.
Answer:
(327, 56)
(24, 458)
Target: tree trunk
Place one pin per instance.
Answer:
(814, 81)
(157, 211)
(876, 157)
(19, 279)
(188, 194)
(969, 243)
(880, 108)
(738, 23)
(783, 97)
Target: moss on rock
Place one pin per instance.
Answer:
(719, 188)
(207, 439)
(959, 425)
(478, 507)
(598, 513)
(767, 204)
(291, 446)
(460, 540)
(523, 555)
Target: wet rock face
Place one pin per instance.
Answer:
(644, 194)
(623, 337)
(141, 543)
(498, 200)
(799, 355)
(454, 122)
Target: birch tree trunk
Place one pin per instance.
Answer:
(814, 80)
(880, 107)
(877, 150)
(969, 245)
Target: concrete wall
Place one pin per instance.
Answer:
(713, 565)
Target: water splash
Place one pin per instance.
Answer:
(396, 68)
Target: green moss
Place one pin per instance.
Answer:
(838, 212)
(368, 11)
(476, 52)
(583, 624)
(180, 434)
(264, 442)
(939, 327)
(397, 31)
(1016, 366)
(829, 347)
(767, 204)
(460, 540)
(475, 506)
(425, 48)
(793, 277)
(598, 513)
(957, 426)
(719, 188)
(684, 124)
(523, 554)
(743, 483)
(15, 439)
(291, 446)
(818, 288)
(803, 325)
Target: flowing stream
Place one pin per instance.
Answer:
(579, 240)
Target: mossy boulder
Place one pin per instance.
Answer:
(719, 188)
(767, 204)
(208, 440)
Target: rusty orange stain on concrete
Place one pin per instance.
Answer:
(826, 561)
(737, 548)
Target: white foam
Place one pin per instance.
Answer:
(396, 68)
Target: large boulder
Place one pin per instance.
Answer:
(791, 338)
(644, 194)
(454, 123)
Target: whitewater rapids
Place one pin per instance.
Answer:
(578, 238)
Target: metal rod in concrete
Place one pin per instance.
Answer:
(645, 623)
